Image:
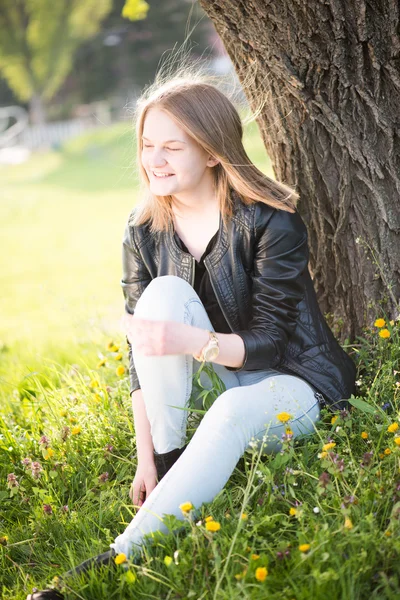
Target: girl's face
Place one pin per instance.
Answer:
(175, 163)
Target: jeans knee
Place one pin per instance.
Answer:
(161, 297)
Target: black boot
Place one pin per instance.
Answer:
(165, 461)
(107, 558)
(45, 595)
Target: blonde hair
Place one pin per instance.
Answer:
(207, 115)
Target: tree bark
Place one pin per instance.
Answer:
(329, 74)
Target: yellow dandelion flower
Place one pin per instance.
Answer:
(207, 519)
(114, 348)
(63, 412)
(243, 516)
(283, 417)
(94, 383)
(47, 453)
(328, 446)
(110, 344)
(76, 430)
(387, 451)
(186, 506)
(3, 540)
(167, 560)
(292, 511)
(347, 523)
(101, 363)
(388, 533)
(120, 558)
(213, 526)
(261, 573)
(255, 556)
(393, 427)
(304, 547)
(72, 419)
(322, 454)
(120, 370)
(364, 435)
(334, 419)
(384, 333)
(397, 440)
(118, 356)
(239, 576)
(288, 431)
(130, 577)
(380, 323)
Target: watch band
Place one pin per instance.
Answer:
(212, 342)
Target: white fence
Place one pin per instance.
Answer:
(48, 135)
(52, 134)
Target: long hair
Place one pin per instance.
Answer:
(207, 115)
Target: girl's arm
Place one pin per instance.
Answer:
(144, 442)
(135, 279)
(231, 347)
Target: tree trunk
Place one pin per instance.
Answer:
(329, 74)
(37, 111)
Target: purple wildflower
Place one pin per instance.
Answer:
(12, 481)
(103, 477)
(65, 432)
(44, 441)
(367, 457)
(324, 480)
(36, 469)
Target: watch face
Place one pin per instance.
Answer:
(211, 353)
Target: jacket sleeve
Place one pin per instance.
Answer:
(281, 256)
(135, 278)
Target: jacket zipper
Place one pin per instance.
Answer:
(193, 270)
(216, 295)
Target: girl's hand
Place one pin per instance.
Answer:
(159, 338)
(143, 484)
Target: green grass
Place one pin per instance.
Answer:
(63, 215)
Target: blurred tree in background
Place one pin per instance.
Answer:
(63, 54)
(38, 39)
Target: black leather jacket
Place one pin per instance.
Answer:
(258, 269)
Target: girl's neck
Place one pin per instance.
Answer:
(195, 211)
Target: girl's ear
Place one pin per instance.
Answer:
(212, 161)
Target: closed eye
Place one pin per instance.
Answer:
(173, 149)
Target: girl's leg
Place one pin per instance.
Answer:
(166, 381)
(238, 416)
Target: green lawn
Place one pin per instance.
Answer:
(63, 216)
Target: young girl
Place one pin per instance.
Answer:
(215, 269)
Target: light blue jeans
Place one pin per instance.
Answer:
(241, 418)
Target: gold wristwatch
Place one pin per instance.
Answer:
(210, 351)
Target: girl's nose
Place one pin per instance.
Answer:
(157, 160)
